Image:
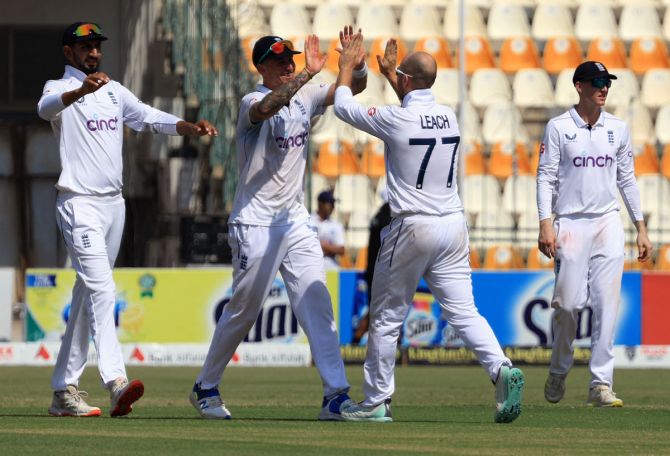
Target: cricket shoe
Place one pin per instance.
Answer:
(603, 396)
(70, 402)
(509, 390)
(554, 387)
(209, 404)
(123, 394)
(380, 413)
(331, 408)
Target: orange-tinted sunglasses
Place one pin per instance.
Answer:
(277, 48)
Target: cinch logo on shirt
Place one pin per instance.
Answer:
(292, 141)
(101, 124)
(601, 161)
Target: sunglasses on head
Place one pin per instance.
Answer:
(399, 72)
(599, 83)
(277, 48)
(86, 30)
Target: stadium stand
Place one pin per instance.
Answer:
(561, 53)
(656, 88)
(290, 19)
(609, 50)
(436, 46)
(533, 89)
(378, 20)
(552, 20)
(537, 259)
(419, 20)
(489, 86)
(507, 20)
(474, 22)
(595, 20)
(518, 53)
(648, 53)
(625, 91)
(329, 18)
(639, 20)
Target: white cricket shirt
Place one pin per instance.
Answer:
(330, 231)
(421, 140)
(272, 156)
(581, 168)
(90, 131)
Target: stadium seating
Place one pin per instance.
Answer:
(519, 195)
(361, 262)
(473, 159)
(561, 53)
(336, 158)
(595, 20)
(377, 48)
(438, 47)
(474, 22)
(330, 18)
(290, 19)
(503, 256)
(377, 20)
(372, 160)
(659, 226)
(354, 194)
(250, 20)
(639, 122)
(508, 159)
(656, 88)
(488, 86)
(662, 127)
(666, 24)
(518, 53)
(445, 87)
(533, 89)
(478, 54)
(566, 94)
(507, 20)
(357, 233)
(639, 20)
(528, 228)
(631, 262)
(502, 123)
(654, 193)
(648, 53)
(663, 258)
(481, 193)
(325, 128)
(419, 20)
(491, 228)
(624, 90)
(608, 50)
(552, 20)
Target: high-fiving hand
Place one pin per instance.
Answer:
(353, 52)
(346, 37)
(389, 62)
(314, 59)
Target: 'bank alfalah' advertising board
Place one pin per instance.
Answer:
(516, 305)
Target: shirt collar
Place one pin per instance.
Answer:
(263, 89)
(72, 72)
(418, 96)
(580, 122)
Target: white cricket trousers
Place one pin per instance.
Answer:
(589, 264)
(92, 227)
(437, 249)
(258, 252)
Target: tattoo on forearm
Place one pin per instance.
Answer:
(279, 97)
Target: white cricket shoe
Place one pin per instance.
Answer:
(603, 396)
(209, 404)
(554, 387)
(123, 394)
(70, 402)
(331, 408)
(380, 413)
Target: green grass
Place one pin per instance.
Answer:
(437, 410)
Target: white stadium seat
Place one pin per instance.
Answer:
(481, 193)
(330, 18)
(656, 88)
(419, 20)
(532, 88)
(595, 20)
(502, 123)
(638, 118)
(552, 20)
(354, 193)
(445, 88)
(624, 90)
(528, 227)
(666, 24)
(377, 21)
(488, 86)
(654, 193)
(519, 194)
(507, 20)
(471, 129)
(474, 21)
(658, 226)
(289, 19)
(491, 227)
(566, 94)
(662, 127)
(639, 20)
(249, 20)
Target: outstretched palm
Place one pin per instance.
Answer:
(314, 59)
(388, 63)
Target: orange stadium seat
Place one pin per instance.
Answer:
(665, 161)
(630, 260)
(561, 53)
(377, 48)
(438, 47)
(345, 260)
(535, 157)
(517, 53)
(473, 158)
(299, 59)
(537, 259)
(372, 160)
(648, 53)
(336, 158)
(475, 261)
(478, 54)
(503, 256)
(248, 47)
(646, 160)
(333, 56)
(361, 259)
(608, 50)
(663, 258)
(501, 162)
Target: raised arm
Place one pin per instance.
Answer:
(54, 101)
(360, 70)
(388, 64)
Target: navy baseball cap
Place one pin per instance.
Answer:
(269, 46)
(326, 196)
(82, 31)
(591, 70)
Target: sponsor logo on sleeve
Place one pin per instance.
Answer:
(541, 148)
(372, 111)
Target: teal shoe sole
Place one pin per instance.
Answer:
(511, 409)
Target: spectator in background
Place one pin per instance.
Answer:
(331, 232)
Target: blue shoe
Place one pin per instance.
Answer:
(509, 389)
(209, 404)
(331, 409)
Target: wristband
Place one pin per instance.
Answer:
(309, 74)
(358, 74)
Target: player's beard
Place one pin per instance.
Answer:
(81, 65)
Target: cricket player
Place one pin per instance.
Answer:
(269, 228)
(586, 155)
(87, 111)
(330, 232)
(427, 236)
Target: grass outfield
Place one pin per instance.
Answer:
(437, 410)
